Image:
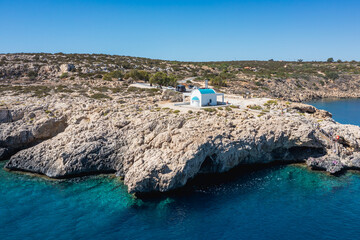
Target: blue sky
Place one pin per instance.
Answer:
(194, 30)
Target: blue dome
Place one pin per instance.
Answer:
(195, 99)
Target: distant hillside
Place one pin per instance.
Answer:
(295, 81)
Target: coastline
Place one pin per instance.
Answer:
(172, 148)
(73, 115)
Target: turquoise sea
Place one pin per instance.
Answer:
(282, 202)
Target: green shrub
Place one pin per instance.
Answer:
(138, 75)
(99, 96)
(117, 90)
(64, 75)
(162, 79)
(32, 75)
(331, 75)
(218, 81)
(62, 88)
(210, 109)
(115, 74)
(270, 102)
(255, 107)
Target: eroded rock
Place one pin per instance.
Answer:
(161, 150)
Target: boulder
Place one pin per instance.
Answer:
(172, 96)
(5, 116)
(330, 163)
(304, 108)
(67, 68)
(322, 114)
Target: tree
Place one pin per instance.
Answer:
(115, 74)
(339, 61)
(300, 60)
(138, 75)
(330, 60)
(162, 79)
(218, 81)
(331, 75)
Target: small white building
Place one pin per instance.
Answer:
(204, 97)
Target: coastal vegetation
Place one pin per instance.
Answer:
(163, 79)
(293, 80)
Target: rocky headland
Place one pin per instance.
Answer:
(66, 115)
(66, 131)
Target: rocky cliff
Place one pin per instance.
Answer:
(155, 148)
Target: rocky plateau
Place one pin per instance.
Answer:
(157, 149)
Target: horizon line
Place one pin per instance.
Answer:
(299, 60)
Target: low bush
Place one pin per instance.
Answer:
(100, 96)
(255, 107)
(210, 109)
(270, 102)
(64, 75)
(331, 75)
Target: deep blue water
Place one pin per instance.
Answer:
(346, 111)
(283, 202)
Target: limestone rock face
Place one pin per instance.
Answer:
(303, 107)
(17, 132)
(10, 115)
(66, 68)
(331, 163)
(322, 114)
(4, 116)
(162, 150)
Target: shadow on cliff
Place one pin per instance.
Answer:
(27, 139)
(209, 175)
